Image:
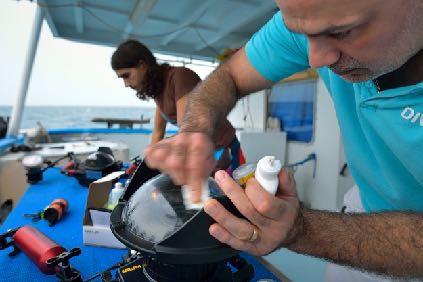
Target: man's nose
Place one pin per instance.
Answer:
(127, 84)
(321, 53)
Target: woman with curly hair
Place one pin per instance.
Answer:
(168, 86)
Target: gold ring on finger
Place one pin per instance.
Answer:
(254, 235)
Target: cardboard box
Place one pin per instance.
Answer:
(96, 224)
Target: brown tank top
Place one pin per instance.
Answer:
(179, 81)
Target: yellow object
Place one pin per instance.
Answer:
(243, 173)
(130, 269)
(308, 74)
(226, 54)
(243, 180)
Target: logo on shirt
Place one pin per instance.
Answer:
(411, 115)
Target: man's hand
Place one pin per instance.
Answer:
(187, 158)
(273, 217)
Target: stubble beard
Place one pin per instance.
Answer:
(407, 44)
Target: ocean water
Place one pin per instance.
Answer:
(54, 117)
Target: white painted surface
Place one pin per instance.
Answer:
(77, 147)
(81, 149)
(135, 142)
(255, 145)
(319, 192)
(250, 112)
(345, 182)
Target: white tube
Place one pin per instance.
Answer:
(267, 173)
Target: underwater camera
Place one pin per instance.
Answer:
(171, 242)
(95, 166)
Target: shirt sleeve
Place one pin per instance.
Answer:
(275, 52)
(184, 81)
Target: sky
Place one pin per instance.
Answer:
(64, 72)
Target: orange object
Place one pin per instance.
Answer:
(55, 210)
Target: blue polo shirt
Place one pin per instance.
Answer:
(382, 131)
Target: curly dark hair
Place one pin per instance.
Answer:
(130, 54)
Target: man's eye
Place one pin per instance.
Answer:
(340, 35)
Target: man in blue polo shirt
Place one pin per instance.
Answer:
(369, 54)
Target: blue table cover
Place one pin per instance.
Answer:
(67, 232)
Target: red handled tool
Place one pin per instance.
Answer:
(135, 162)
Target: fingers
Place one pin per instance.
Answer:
(255, 203)
(187, 158)
(199, 162)
(199, 157)
(272, 217)
(175, 161)
(156, 154)
(225, 237)
(238, 227)
(287, 186)
(240, 199)
(266, 204)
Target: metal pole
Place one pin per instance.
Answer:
(17, 110)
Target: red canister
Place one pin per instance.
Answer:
(37, 247)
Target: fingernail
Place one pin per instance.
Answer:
(213, 230)
(210, 207)
(195, 195)
(220, 175)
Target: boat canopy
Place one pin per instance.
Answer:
(186, 28)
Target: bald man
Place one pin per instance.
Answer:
(369, 55)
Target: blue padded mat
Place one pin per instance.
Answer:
(67, 232)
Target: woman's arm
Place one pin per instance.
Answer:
(180, 109)
(159, 127)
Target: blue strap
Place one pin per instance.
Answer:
(218, 154)
(169, 120)
(235, 146)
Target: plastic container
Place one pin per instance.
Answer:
(266, 172)
(114, 195)
(244, 172)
